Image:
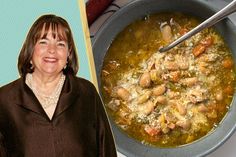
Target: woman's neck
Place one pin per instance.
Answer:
(45, 84)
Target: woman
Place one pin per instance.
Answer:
(48, 111)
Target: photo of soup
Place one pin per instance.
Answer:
(173, 98)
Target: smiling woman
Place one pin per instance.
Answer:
(52, 109)
(50, 53)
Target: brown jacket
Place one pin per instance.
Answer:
(79, 126)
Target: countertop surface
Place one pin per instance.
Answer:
(228, 149)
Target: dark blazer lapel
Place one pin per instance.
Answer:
(27, 99)
(67, 97)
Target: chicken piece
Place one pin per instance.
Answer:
(171, 65)
(183, 65)
(185, 124)
(208, 57)
(166, 32)
(204, 68)
(197, 95)
(181, 109)
(170, 118)
(151, 63)
(152, 131)
(114, 104)
(189, 81)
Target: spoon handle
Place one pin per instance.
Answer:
(230, 8)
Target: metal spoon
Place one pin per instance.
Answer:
(230, 8)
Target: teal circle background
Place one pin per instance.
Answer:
(16, 18)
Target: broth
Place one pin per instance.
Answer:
(173, 98)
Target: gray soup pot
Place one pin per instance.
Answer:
(136, 10)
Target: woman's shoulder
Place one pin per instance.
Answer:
(10, 91)
(12, 85)
(83, 83)
(81, 80)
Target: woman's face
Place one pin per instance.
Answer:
(50, 55)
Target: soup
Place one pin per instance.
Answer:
(173, 98)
